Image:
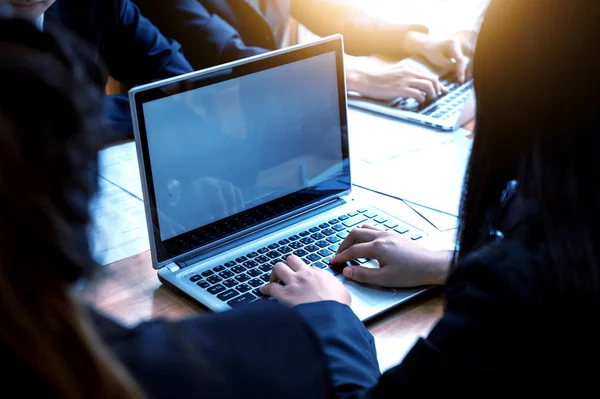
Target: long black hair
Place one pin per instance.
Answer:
(536, 80)
(50, 129)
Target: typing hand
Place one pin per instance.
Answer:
(304, 284)
(390, 82)
(402, 262)
(451, 54)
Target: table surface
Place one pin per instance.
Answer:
(129, 291)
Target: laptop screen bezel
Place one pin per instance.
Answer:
(190, 243)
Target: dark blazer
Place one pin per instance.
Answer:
(133, 50)
(264, 350)
(216, 31)
(509, 328)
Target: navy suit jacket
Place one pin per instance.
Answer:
(212, 32)
(131, 48)
(264, 350)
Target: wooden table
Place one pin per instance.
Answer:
(129, 290)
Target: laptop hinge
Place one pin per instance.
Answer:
(173, 267)
(272, 227)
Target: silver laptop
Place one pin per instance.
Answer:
(247, 163)
(447, 112)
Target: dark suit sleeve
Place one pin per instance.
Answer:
(477, 339)
(135, 52)
(263, 350)
(206, 38)
(363, 34)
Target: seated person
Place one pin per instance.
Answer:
(127, 45)
(238, 29)
(51, 343)
(523, 296)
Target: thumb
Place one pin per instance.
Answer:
(364, 275)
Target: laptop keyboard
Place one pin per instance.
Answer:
(442, 107)
(237, 281)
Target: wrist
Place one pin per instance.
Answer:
(415, 42)
(438, 268)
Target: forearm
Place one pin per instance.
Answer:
(438, 267)
(363, 34)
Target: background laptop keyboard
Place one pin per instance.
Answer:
(442, 107)
(237, 281)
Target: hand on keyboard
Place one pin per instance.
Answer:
(304, 284)
(403, 262)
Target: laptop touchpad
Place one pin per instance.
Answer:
(364, 297)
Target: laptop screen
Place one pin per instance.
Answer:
(231, 149)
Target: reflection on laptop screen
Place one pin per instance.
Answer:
(230, 146)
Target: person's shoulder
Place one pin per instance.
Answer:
(266, 348)
(511, 269)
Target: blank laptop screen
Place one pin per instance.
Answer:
(236, 150)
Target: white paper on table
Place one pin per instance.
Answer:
(119, 164)
(376, 138)
(119, 227)
(431, 177)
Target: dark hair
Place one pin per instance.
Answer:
(49, 131)
(536, 80)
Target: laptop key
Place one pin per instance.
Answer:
(263, 251)
(304, 234)
(203, 284)
(311, 248)
(294, 237)
(214, 279)
(416, 237)
(317, 236)
(283, 242)
(273, 246)
(262, 259)
(343, 217)
(391, 224)
(254, 272)
(238, 269)
(380, 219)
(285, 249)
(339, 227)
(313, 257)
(230, 283)
(273, 254)
(370, 215)
(352, 214)
(306, 241)
(216, 289)
(313, 229)
(230, 264)
(227, 295)
(328, 232)
(401, 230)
(325, 253)
(242, 277)
(343, 234)
(333, 221)
(219, 268)
(250, 264)
(353, 221)
(334, 239)
(323, 244)
(252, 255)
(362, 210)
(300, 253)
(297, 244)
(266, 277)
(241, 259)
(241, 300)
(334, 248)
(255, 282)
(320, 265)
(266, 267)
(243, 288)
(207, 273)
(257, 292)
(324, 226)
(195, 278)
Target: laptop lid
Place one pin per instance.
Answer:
(226, 151)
